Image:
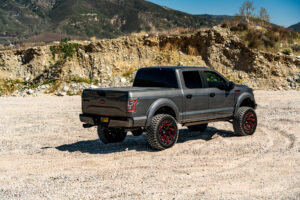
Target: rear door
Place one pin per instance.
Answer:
(196, 99)
(221, 102)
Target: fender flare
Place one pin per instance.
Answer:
(155, 106)
(241, 98)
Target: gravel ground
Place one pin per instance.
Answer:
(46, 154)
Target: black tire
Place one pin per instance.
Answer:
(111, 135)
(162, 132)
(137, 132)
(201, 127)
(245, 121)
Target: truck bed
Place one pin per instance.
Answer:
(110, 102)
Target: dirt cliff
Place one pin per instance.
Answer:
(114, 62)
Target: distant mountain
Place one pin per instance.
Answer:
(44, 20)
(295, 27)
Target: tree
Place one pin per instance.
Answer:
(263, 15)
(246, 10)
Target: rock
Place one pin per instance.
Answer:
(180, 64)
(61, 93)
(123, 80)
(93, 86)
(289, 79)
(292, 85)
(30, 91)
(65, 88)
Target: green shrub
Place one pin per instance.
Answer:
(81, 80)
(242, 26)
(287, 51)
(66, 50)
(254, 38)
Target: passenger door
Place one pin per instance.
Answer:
(196, 99)
(221, 101)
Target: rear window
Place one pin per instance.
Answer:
(192, 79)
(159, 77)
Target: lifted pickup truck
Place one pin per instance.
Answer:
(161, 97)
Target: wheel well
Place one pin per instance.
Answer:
(248, 102)
(166, 110)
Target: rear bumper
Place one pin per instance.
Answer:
(113, 122)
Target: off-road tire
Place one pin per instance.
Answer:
(200, 127)
(158, 133)
(244, 118)
(111, 135)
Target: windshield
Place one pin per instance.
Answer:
(156, 77)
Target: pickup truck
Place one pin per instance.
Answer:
(162, 97)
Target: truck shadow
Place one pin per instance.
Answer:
(138, 143)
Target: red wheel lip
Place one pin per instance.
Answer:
(250, 123)
(167, 132)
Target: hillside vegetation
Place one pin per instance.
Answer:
(266, 37)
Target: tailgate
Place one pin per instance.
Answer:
(111, 103)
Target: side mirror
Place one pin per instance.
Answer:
(230, 85)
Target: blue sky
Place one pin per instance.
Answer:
(282, 12)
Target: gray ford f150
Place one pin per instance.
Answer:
(162, 97)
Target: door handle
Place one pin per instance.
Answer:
(189, 96)
(212, 94)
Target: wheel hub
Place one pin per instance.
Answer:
(167, 132)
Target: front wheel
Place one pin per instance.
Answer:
(111, 135)
(245, 121)
(163, 132)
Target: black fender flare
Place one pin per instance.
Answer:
(155, 106)
(241, 98)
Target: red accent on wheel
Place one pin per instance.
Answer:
(167, 132)
(249, 123)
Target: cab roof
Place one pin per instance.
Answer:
(177, 67)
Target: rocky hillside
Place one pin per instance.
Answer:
(49, 20)
(68, 67)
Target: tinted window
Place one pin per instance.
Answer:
(214, 80)
(158, 77)
(192, 79)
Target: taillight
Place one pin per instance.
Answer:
(131, 105)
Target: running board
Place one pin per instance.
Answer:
(206, 121)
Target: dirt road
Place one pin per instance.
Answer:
(46, 154)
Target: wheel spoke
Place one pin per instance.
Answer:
(249, 123)
(167, 132)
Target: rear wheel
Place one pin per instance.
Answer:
(201, 127)
(111, 135)
(163, 132)
(245, 121)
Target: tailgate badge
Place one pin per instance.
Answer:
(102, 101)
